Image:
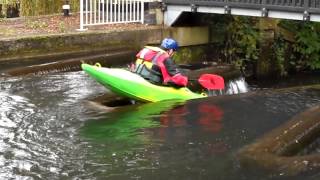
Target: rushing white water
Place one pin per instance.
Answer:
(237, 86)
(234, 86)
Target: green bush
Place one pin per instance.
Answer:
(242, 40)
(308, 45)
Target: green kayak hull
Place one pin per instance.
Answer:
(133, 86)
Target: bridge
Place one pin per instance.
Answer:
(305, 10)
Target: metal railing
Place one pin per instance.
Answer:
(286, 5)
(99, 12)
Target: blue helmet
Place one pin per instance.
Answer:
(169, 43)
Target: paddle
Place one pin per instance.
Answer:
(211, 81)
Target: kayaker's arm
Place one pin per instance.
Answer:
(171, 67)
(177, 78)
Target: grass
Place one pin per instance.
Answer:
(7, 31)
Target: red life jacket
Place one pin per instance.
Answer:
(157, 56)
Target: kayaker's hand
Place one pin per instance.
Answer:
(180, 80)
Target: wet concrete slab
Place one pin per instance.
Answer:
(279, 151)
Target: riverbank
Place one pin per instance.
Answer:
(46, 39)
(55, 38)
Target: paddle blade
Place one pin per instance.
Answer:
(211, 81)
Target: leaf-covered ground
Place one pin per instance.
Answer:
(55, 24)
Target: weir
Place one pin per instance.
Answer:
(279, 150)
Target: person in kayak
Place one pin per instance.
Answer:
(156, 64)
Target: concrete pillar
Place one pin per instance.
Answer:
(266, 64)
(188, 36)
(153, 13)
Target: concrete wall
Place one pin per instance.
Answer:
(41, 49)
(49, 48)
(188, 36)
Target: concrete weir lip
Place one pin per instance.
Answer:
(277, 151)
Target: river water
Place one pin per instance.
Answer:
(49, 129)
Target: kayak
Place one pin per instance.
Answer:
(128, 84)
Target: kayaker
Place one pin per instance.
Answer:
(156, 64)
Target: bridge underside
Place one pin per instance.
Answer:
(172, 12)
